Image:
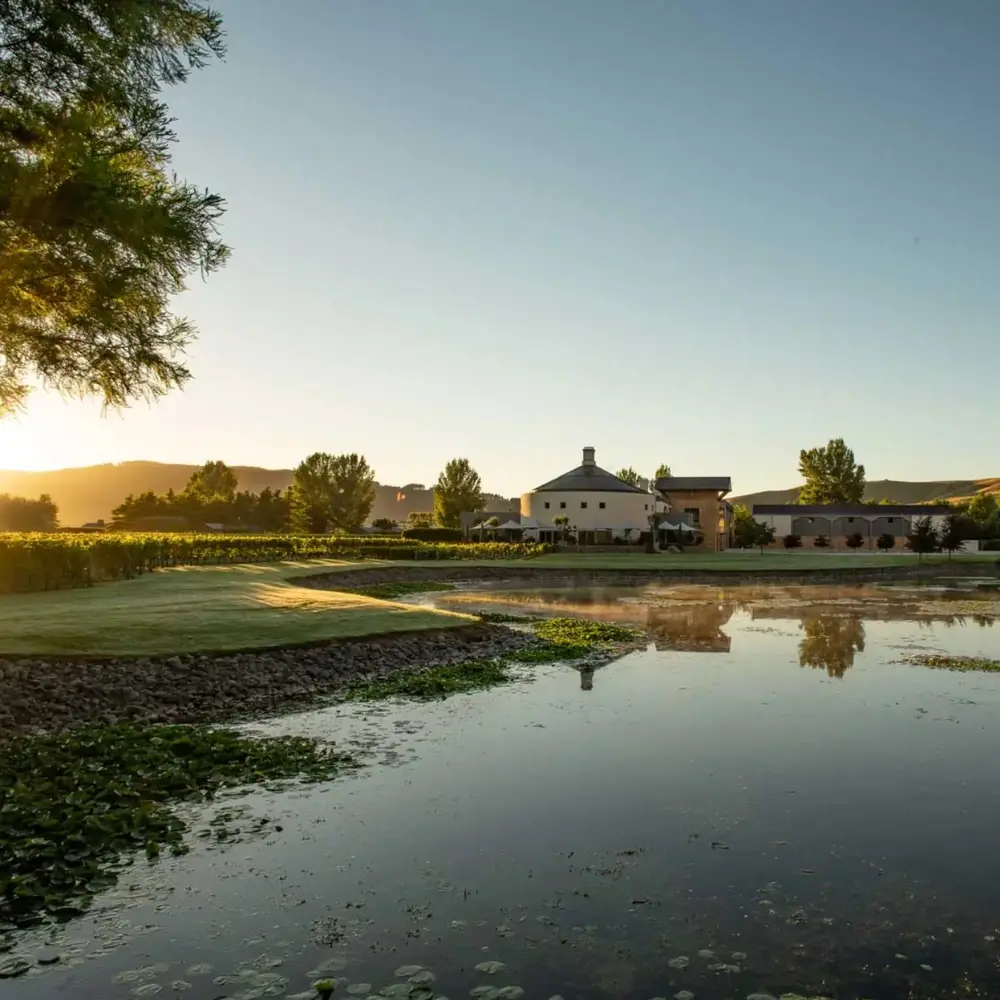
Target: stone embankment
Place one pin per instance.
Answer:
(48, 694)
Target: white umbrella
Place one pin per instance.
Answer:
(477, 527)
(687, 527)
(668, 526)
(509, 526)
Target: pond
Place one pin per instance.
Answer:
(764, 800)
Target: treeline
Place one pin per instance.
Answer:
(329, 493)
(23, 514)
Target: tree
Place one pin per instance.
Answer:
(384, 524)
(629, 476)
(831, 475)
(353, 492)
(561, 521)
(420, 519)
(854, 541)
(23, 514)
(96, 234)
(886, 542)
(792, 541)
(662, 472)
(821, 542)
(213, 479)
(763, 534)
(744, 533)
(981, 509)
(313, 488)
(458, 489)
(923, 538)
(952, 534)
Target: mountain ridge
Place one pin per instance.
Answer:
(89, 493)
(899, 490)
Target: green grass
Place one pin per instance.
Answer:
(202, 609)
(962, 663)
(77, 804)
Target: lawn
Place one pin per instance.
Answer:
(201, 609)
(259, 606)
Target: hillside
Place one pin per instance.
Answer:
(89, 493)
(891, 489)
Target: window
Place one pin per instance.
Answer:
(602, 505)
(850, 520)
(547, 505)
(890, 519)
(645, 506)
(583, 505)
(695, 513)
(562, 504)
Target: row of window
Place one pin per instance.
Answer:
(583, 505)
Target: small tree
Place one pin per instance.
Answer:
(821, 542)
(953, 534)
(561, 521)
(923, 538)
(763, 534)
(886, 542)
(420, 519)
(792, 541)
(458, 488)
(384, 524)
(854, 541)
(743, 526)
(629, 476)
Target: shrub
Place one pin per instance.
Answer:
(855, 541)
(434, 534)
(821, 542)
(792, 541)
(886, 542)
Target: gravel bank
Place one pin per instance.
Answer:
(36, 693)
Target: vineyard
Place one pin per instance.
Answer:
(35, 561)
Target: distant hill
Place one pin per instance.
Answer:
(91, 492)
(891, 489)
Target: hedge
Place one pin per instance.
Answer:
(434, 534)
(32, 561)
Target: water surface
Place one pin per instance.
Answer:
(762, 800)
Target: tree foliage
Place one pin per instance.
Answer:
(792, 541)
(629, 476)
(662, 472)
(953, 533)
(213, 479)
(886, 542)
(458, 489)
(831, 475)
(924, 537)
(96, 235)
(22, 514)
(982, 509)
(331, 492)
(763, 534)
(855, 540)
(264, 511)
(743, 527)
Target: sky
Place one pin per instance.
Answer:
(697, 232)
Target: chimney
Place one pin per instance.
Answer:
(588, 457)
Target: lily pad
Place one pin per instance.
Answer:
(11, 968)
(423, 978)
(684, 995)
(147, 990)
(405, 971)
(490, 968)
(706, 953)
(396, 990)
(510, 993)
(680, 962)
(359, 989)
(484, 992)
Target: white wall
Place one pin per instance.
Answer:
(621, 510)
(782, 523)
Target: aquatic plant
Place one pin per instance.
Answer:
(581, 631)
(76, 804)
(941, 662)
(434, 682)
(549, 652)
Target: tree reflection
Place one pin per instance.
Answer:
(586, 678)
(830, 643)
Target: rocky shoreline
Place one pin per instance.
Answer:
(36, 693)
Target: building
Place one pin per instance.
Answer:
(600, 506)
(837, 522)
(700, 501)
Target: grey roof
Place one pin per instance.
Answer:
(852, 509)
(467, 518)
(668, 483)
(589, 478)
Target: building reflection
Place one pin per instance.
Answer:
(695, 628)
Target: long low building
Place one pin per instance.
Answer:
(837, 522)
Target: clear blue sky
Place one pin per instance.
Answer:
(701, 232)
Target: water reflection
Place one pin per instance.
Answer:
(830, 643)
(704, 619)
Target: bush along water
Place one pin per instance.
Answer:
(76, 805)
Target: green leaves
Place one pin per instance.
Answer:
(332, 492)
(72, 804)
(831, 475)
(458, 489)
